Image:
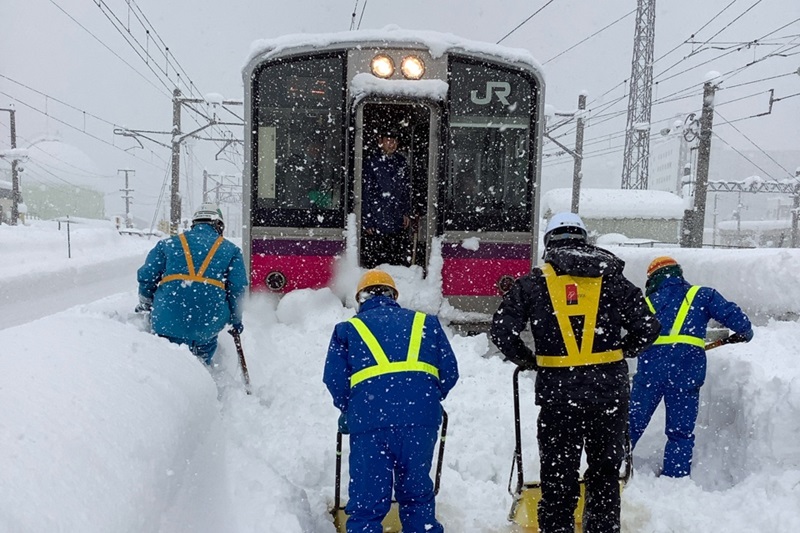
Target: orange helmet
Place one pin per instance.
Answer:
(376, 278)
(659, 263)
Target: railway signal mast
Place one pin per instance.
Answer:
(637, 131)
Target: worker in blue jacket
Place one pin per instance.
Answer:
(193, 284)
(388, 369)
(674, 367)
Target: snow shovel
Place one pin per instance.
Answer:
(237, 340)
(391, 522)
(730, 339)
(526, 495)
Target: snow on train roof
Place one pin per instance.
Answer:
(437, 43)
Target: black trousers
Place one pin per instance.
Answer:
(563, 432)
(390, 248)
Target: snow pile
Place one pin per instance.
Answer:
(107, 428)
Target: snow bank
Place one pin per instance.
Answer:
(101, 435)
(762, 281)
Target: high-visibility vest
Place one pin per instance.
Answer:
(675, 336)
(575, 296)
(192, 275)
(383, 365)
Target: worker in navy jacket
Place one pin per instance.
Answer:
(193, 284)
(386, 210)
(674, 367)
(388, 369)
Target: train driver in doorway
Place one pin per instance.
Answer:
(386, 204)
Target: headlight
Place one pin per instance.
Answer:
(382, 66)
(413, 67)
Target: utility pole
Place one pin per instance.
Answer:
(577, 173)
(177, 140)
(635, 165)
(15, 196)
(175, 199)
(205, 185)
(697, 215)
(127, 196)
(795, 208)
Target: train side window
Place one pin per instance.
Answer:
(489, 171)
(298, 177)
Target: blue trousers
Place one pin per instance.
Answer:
(681, 407)
(387, 457)
(204, 350)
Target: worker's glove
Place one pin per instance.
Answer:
(145, 305)
(343, 429)
(237, 328)
(747, 336)
(528, 365)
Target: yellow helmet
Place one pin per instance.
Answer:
(376, 278)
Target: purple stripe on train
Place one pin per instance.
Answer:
(297, 247)
(487, 251)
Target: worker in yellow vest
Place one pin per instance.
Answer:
(388, 369)
(193, 284)
(674, 367)
(577, 304)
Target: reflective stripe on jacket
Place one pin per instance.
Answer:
(383, 365)
(192, 275)
(396, 374)
(573, 296)
(675, 336)
(191, 307)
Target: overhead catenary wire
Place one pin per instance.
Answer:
(601, 30)
(521, 24)
(145, 78)
(72, 126)
(363, 8)
(751, 141)
(353, 16)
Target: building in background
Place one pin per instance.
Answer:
(59, 180)
(633, 213)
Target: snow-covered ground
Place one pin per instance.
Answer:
(105, 428)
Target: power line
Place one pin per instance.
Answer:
(744, 156)
(107, 47)
(504, 37)
(754, 144)
(629, 13)
(353, 17)
(363, 8)
(34, 108)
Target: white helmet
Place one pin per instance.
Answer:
(209, 212)
(564, 226)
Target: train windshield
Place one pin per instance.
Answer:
(489, 172)
(299, 144)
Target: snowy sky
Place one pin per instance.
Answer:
(108, 428)
(49, 52)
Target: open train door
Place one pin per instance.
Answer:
(416, 126)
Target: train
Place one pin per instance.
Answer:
(468, 119)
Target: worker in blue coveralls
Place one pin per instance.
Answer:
(388, 369)
(386, 204)
(193, 284)
(674, 367)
